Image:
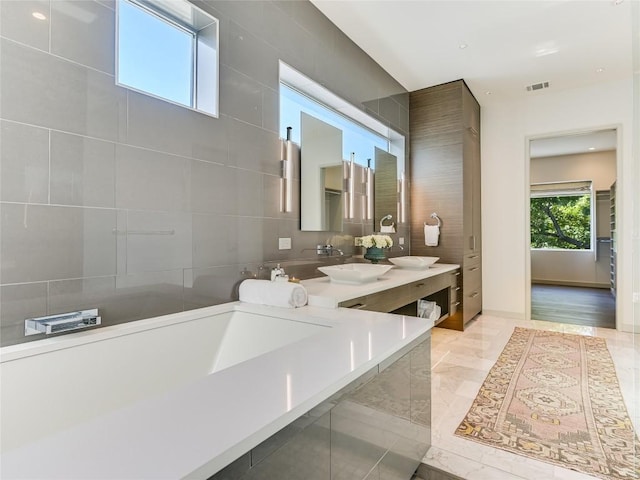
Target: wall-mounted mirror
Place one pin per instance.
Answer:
(331, 132)
(321, 176)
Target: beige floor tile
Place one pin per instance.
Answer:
(460, 363)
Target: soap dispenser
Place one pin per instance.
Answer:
(277, 272)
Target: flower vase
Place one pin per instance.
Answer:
(375, 254)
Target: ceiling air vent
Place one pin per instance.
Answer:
(537, 86)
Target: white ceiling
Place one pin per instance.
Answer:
(510, 43)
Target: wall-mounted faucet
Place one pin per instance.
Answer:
(325, 250)
(62, 322)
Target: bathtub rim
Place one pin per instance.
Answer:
(15, 352)
(151, 413)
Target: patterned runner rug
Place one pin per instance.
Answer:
(555, 397)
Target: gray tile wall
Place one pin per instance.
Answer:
(117, 200)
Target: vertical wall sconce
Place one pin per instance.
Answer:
(345, 189)
(368, 191)
(402, 198)
(288, 153)
(351, 186)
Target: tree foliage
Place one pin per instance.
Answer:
(561, 222)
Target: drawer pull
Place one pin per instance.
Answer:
(457, 273)
(456, 289)
(473, 269)
(473, 256)
(420, 285)
(474, 295)
(455, 304)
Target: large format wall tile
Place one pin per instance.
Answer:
(211, 185)
(158, 125)
(148, 295)
(214, 243)
(42, 242)
(84, 293)
(18, 23)
(20, 302)
(149, 180)
(242, 96)
(24, 163)
(254, 148)
(211, 286)
(82, 171)
(158, 241)
(84, 161)
(249, 55)
(40, 89)
(250, 239)
(84, 32)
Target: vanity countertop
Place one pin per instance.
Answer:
(196, 429)
(323, 293)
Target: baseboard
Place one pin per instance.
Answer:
(570, 284)
(503, 314)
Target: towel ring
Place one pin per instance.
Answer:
(435, 215)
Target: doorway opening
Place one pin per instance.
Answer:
(572, 228)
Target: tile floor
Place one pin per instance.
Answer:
(460, 363)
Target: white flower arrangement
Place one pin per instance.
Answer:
(379, 241)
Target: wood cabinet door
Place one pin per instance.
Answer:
(468, 203)
(476, 194)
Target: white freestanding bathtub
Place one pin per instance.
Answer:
(52, 384)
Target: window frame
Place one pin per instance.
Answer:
(567, 189)
(201, 21)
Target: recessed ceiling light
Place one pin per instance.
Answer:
(591, 148)
(462, 46)
(616, 2)
(599, 70)
(487, 92)
(39, 15)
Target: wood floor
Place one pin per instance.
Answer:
(593, 307)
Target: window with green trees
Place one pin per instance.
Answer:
(561, 216)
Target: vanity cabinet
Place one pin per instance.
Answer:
(445, 179)
(403, 299)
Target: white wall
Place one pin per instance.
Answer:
(576, 267)
(506, 129)
(599, 167)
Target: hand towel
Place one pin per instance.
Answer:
(277, 294)
(431, 235)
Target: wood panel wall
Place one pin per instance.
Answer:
(437, 168)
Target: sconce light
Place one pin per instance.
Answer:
(288, 154)
(349, 187)
(368, 191)
(402, 198)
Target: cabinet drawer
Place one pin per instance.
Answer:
(472, 277)
(472, 303)
(455, 279)
(472, 259)
(394, 298)
(454, 307)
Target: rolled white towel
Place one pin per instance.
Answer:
(431, 234)
(277, 294)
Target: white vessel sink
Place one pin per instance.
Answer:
(355, 273)
(418, 263)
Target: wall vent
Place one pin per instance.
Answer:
(537, 86)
